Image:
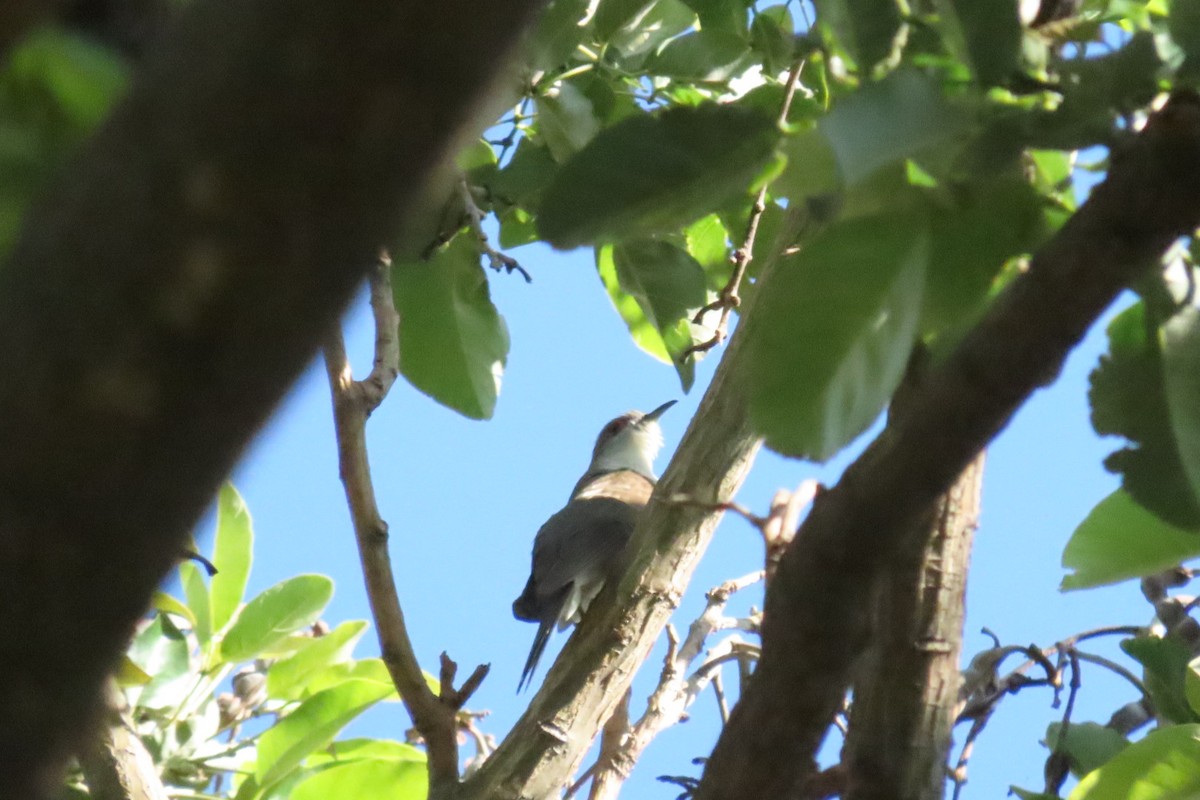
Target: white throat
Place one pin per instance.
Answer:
(634, 448)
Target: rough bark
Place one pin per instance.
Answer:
(906, 687)
(167, 291)
(817, 614)
(115, 764)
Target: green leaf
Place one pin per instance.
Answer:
(706, 55)
(525, 176)
(991, 30)
(1088, 744)
(656, 173)
(641, 33)
(311, 726)
(477, 161)
(1166, 668)
(557, 34)
(655, 287)
(358, 749)
(288, 678)
(287, 606)
(566, 121)
(988, 223)
(883, 123)
(835, 330)
(1128, 397)
(811, 169)
(613, 15)
(1165, 765)
(453, 342)
(366, 780)
(130, 674)
(871, 30)
(1120, 540)
(232, 555)
(161, 651)
(1191, 686)
(707, 242)
(198, 600)
(1180, 342)
(171, 605)
(773, 36)
(364, 669)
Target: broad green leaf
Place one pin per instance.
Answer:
(871, 30)
(287, 606)
(566, 121)
(198, 600)
(364, 669)
(1128, 397)
(557, 34)
(988, 223)
(232, 555)
(642, 33)
(991, 31)
(705, 55)
(358, 749)
(1184, 25)
(171, 605)
(1166, 668)
(311, 726)
(130, 674)
(367, 779)
(477, 161)
(1089, 744)
(517, 227)
(612, 15)
(773, 36)
(161, 651)
(288, 678)
(651, 174)
(655, 287)
(525, 176)
(811, 169)
(1180, 342)
(707, 242)
(1120, 540)
(453, 342)
(834, 333)
(728, 16)
(1165, 765)
(1191, 686)
(883, 123)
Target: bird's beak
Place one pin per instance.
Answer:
(658, 412)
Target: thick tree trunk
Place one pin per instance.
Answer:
(906, 688)
(166, 293)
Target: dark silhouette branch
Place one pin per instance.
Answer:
(817, 615)
(167, 291)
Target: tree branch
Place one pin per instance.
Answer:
(597, 665)
(816, 618)
(116, 765)
(166, 292)
(435, 716)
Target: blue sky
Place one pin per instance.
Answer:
(464, 499)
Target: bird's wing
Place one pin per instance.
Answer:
(581, 540)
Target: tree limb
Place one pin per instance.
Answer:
(817, 609)
(115, 764)
(435, 716)
(172, 285)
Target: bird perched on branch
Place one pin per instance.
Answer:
(579, 548)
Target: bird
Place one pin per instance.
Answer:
(579, 547)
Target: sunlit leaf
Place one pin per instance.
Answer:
(656, 173)
(232, 555)
(1166, 668)
(286, 607)
(453, 342)
(1165, 765)
(1119, 540)
(289, 677)
(367, 779)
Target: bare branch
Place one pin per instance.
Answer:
(116, 765)
(497, 260)
(434, 716)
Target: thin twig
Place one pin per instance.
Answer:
(728, 299)
(670, 700)
(435, 717)
(496, 260)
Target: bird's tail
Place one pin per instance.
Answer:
(535, 652)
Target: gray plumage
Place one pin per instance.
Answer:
(579, 548)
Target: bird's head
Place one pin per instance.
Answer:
(631, 441)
